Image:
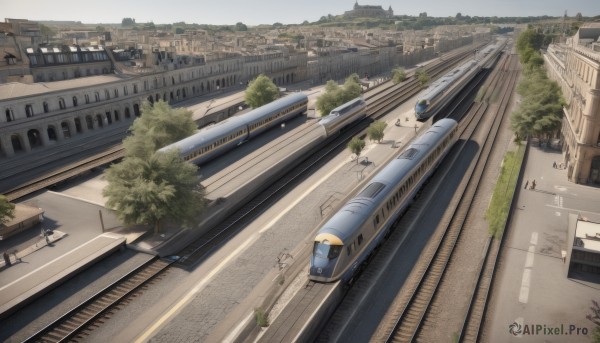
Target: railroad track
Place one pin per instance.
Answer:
(74, 323)
(472, 322)
(410, 319)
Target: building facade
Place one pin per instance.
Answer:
(575, 65)
(369, 11)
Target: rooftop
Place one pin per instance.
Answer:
(16, 89)
(588, 233)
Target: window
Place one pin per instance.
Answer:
(116, 93)
(9, 115)
(46, 107)
(74, 101)
(29, 111)
(87, 98)
(61, 103)
(360, 239)
(97, 96)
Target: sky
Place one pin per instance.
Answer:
(229, 12)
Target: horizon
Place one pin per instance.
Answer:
(251, 14)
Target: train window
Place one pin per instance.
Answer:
(377, 220)
(360, 239)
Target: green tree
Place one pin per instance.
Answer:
(540, 112)
(356, 146)
(7, 210)
(531, 39)
(179, 30)
(159, 125)
(261, 91)
(151, 190)
(398, 75)
(375, 130)
(594, 317)
(239, 26)
(127, 22)
(100, 28)
(46, 31)
(422, 77)
(334, 95)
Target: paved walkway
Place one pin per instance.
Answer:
(531, 287)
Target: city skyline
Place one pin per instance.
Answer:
(270, 11)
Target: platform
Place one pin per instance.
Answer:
(33, 285)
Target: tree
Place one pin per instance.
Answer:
(356, 146)
(398, 75)
(158, 126)
(149, 26)
(127, 22)
(46, 31)
(594, 317)
(100, 28)
(7, 210)
(335, 95)
(375, 130)
(422, 77)
(239, 26)
(151, 190)
(179, 30)
(261, 91)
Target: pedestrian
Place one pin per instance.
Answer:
(6, 259)
(554, 165)
(526, 183)
(533, 184)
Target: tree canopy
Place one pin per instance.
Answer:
(356, 146)
(422, 76)
(375, 130)
(7, 210)
(334, 95)
(398, 75)
(158, 126)
(261, 91)
(540, 112)
(148, 187)
(127, 22)
(148, 191)
(239, 26)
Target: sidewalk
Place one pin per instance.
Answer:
(17, 256)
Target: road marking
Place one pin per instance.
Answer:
(524, 293)
(534, 238)
(574, 210)
(530, 256)
(526, 279)
(233, 335)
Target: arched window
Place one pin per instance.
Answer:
(106, 94)
(74, 101)
(87, 98)
(97, 96)
(46, 107)
(61, 103)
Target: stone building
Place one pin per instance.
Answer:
(575, 65)
(369, 11)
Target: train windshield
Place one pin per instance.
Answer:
(421, 106)
(324, 250)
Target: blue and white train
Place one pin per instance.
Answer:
(343, 115)
(345, 241)
(215, 140)
(431, 100)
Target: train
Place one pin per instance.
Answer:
(213, 141)
(344, 115)
(344, 242)
(431, 100)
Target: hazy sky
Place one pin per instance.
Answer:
(270, 11)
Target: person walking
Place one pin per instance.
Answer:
(526, 183)
(533, 184)
(554, 165)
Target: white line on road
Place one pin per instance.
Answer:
(574, 210)
(534, 238)
(524, 293)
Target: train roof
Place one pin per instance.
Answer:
(358, 209)
(442, 83)
(233, 124)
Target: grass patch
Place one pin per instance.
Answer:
(497, 212)
(262, 318)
